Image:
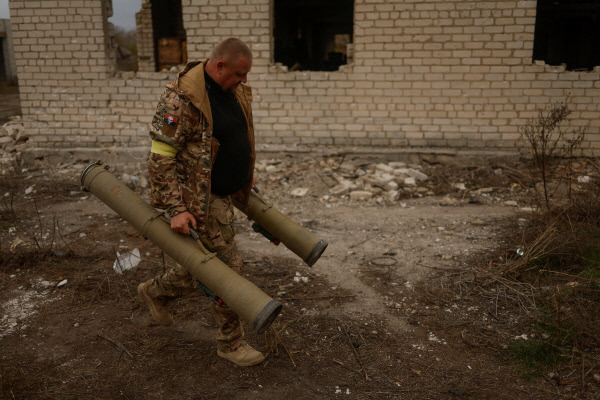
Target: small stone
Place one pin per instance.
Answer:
(392, 185)
(361, 195)
(340, 189)
(384, 168)
(299, 192)
(348, 167)
(410, 181)
(418, 175)
(392, 196)
(448, 201)
(401, 171)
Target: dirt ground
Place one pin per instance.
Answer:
(382, 315)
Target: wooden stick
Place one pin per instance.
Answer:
(355, 353)
(116, 344)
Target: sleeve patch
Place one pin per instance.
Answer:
(171, 120)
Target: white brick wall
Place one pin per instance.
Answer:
(439, 73)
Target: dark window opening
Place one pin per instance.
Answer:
(3, 75)
(568, 32)
(169, 35)
(313, 34)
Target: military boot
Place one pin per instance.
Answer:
(244, 355)
(159, 313)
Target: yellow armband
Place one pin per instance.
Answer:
(163, 149)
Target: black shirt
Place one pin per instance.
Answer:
(232, 163)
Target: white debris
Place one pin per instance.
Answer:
(339, 391)
(127, 261)
(433, 338)
(384, 168)
(410, 181)
(583, 179)
(523, 336)
(392, 185)
(299, 192)
(22, 305)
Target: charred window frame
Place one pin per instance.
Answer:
(568, 32)
(313, 34)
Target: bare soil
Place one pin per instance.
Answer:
(382, 315)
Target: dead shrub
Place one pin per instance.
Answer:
(553, 148)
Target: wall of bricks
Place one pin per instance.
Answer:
(441, 73)
(144, 38)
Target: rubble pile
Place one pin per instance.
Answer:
(384, 180)
(380, 182)
(12, 142)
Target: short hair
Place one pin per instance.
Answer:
(233, 49)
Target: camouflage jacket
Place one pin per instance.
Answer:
(183, 148)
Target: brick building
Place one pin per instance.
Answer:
(399, 74)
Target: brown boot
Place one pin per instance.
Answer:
(159, 313)
(244, 356)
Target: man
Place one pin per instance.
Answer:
(202, 156)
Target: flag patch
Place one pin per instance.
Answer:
(171, 120)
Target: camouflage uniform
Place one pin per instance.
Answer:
(180, 179)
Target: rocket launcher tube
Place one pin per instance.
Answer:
(300, 241)
(241, 295)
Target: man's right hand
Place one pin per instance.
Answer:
(181, 222)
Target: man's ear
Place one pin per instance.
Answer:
(220, 65)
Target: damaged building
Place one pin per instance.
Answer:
(448, 75)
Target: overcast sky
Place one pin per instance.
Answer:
(123, 12)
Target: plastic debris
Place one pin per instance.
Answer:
(127, 261)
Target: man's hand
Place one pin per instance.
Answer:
(181, 222)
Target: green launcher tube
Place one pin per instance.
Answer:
(300, 241)
(242, 296)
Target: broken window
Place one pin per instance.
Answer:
(169, 35)
(313, 34)
(122, 15)
(568, 32)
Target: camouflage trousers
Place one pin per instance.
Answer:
(218, 237)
